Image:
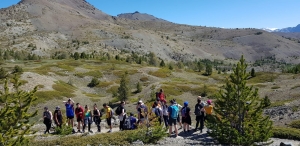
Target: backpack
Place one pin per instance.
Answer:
(118, 110)
(198, 110)
(127, 124)
(48, 115)
(175, 111)
(157, 112)
(183, 112)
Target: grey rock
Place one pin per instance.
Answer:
(285, 144)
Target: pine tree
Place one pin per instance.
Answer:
(162, 63)
(199, 66)
(152, 59)
(253, 72)
(138, 87)
(123, 90)
(15, 114)
(239, 119)
(76, 56)
(208, 69)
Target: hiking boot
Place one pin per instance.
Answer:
(109, 131)
(201, 131)
(78, 131)
(180, 128)
(99, 130)
(91, 131)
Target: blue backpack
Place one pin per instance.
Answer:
(175, 111)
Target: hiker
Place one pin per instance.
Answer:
(208, 110)
(178, 117)
(57, 117)
(173, 114)
(79, 116)
(161, 95)
(199, 112)
(121, 112)
(165, 113)
(70, 112)
(133, 121)
(108, 116)
(158, 111)
(97, 117)
(186, 118)
(47, 116)
(142, 112)
(87, 119)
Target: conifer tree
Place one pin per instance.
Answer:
(138, 87)
(123, 90)
(208, 69)
(238, 118)
(162, 63)
(253, 72)
(15, 114)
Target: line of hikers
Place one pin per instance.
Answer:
(167, 114)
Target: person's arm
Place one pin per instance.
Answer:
(51, 117)
(123, 111)
(55, 118)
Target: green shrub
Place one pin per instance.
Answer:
(295, 124)
(161, 73)
(94, 82)
(96, 74)
(64, 130)
(17, 69)
(286, 133)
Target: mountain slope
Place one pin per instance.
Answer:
(52, 25)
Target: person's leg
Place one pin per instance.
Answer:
(166, 121)
(121, 124)
(176, 130)
(197, 122)
(201, 123)
(48, 127)
(89, 127)
(78, 125)
(170, 127)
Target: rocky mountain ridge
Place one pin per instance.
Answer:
(51, 25)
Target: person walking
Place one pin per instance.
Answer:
(97, 117)
(199, 112)
(47, 116)
(142, 112)
(165, 113)
(87, 119)
(70, 112)
(108, 116)
(58, 117)
(186, 118)
(173, 114)
(158, 111)
(208, 110)
(79, 116)
(121, 112)
(178, 117)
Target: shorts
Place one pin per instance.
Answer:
(187, 120)
(108, 121)
(172, 121)
(70, 117)
(79, 119)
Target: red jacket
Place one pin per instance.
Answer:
(77, 112)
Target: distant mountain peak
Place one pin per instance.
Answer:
(289, 29)
(140, 16)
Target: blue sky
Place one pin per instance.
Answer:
(216, 13)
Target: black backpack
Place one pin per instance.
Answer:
(119, 110)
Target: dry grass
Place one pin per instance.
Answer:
(161, 73)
